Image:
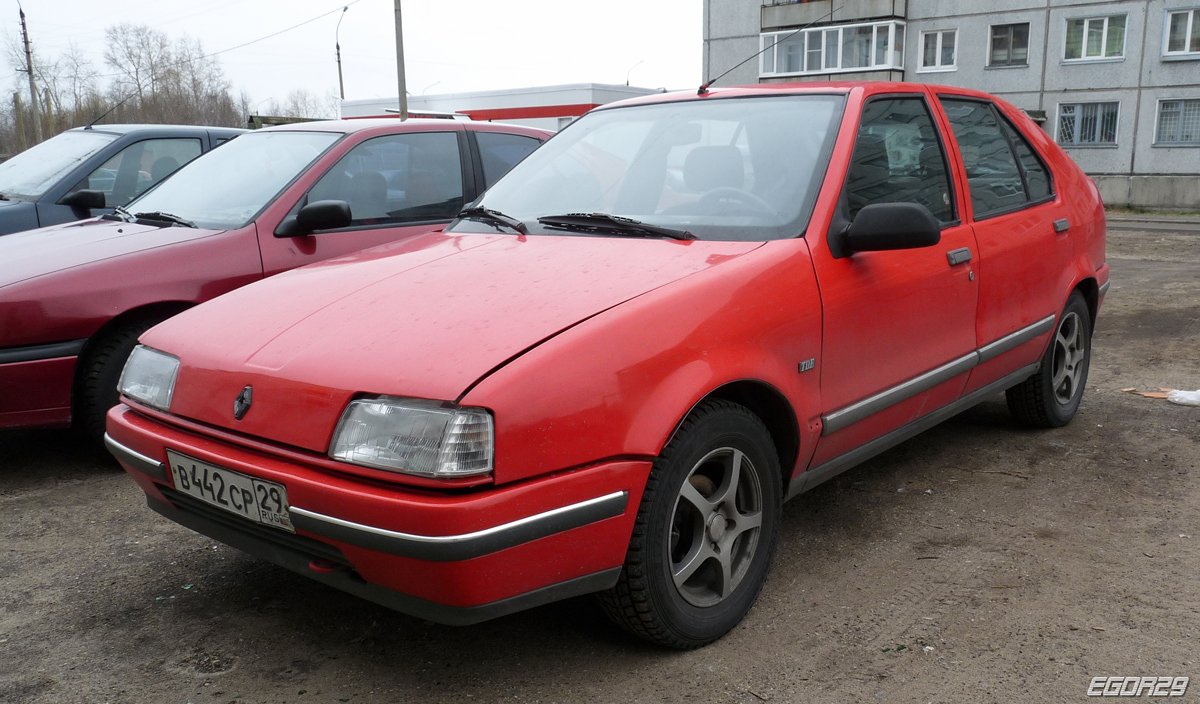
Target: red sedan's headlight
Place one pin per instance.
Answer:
(415, 436)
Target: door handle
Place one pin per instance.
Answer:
(958, 256)
(1062, 225)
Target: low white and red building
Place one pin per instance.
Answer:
(545, 107)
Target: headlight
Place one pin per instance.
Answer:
(415, 436)
(149, 377)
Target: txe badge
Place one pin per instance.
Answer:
(808, 364)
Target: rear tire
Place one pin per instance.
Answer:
(99, 371)
(1050, 398)
(705, 531)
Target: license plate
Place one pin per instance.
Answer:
(258, 500)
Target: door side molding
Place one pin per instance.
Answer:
(848, 415)
(817, 475)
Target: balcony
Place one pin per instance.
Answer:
(777, 14)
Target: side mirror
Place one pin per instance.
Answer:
(885, 226)
(85, 199)
(321, 215)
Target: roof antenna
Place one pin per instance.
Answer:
(123, 101)
(704, 88)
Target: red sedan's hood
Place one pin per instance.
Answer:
(33, 253)
(424, 317)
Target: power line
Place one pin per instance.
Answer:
(339, 8)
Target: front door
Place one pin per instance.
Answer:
(899, 326)
(396, 185)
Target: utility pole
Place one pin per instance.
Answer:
(400, 64)
(33, 94)
(338, 44)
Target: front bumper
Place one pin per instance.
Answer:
(451, 558)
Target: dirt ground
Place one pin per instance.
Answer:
(979, 562)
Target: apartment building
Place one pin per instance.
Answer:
(1117, 84)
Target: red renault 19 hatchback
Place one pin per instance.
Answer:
(610, 372)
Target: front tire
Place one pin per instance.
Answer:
(705, 531)
(99, 371)
(1051, 397)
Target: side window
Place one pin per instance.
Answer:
(397, 178)
(899, 159)
(986, 141)
(500, 152)
(139, 166)
(1037, 180)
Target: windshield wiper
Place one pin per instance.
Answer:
(494, 217)
(119, 213)
(164, 217)
(603, 222)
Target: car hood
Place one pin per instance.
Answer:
(425, 317)
(34, 253)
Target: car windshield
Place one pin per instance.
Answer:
(32, 172)
(721, 169)
(228, 187)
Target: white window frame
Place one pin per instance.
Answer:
(1158, 141)
(1193, 14)
(937, 68)
(1078, 119)
(988, 45)
(1083, 56)
(894, 59)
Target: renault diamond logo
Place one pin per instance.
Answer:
(242, 404)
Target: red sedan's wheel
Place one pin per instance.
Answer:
(98, 373)
(1050, 398)
(705, 531)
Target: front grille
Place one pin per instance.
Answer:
(291, 541)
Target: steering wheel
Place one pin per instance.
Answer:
(712, 200)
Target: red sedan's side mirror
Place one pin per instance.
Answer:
(885, 226)
(321, 215)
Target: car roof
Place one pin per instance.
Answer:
(182, 129)
(394, 124)
(805, 88)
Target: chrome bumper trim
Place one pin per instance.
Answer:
(137, 460)
(448, 548)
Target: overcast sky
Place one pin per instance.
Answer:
(450, 45)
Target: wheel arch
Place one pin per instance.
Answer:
(150, 311)
(771, 406)
(1091, 295)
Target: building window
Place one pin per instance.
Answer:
(1178, 122)
(1010, 45)
(938, 50)
(852, 47)
(1183, 33)
(1094, 38)
(1088, 123)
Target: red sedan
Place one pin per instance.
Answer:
(74, 298)
(609, 374)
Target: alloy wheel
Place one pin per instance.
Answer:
(1069, 354)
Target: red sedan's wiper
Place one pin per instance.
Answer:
(494, 217)
(603, 222)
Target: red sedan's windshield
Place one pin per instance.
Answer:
(723, 169)
(229, 186)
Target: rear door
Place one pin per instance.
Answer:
(899, 326)
(397, 185)
(1023, 233)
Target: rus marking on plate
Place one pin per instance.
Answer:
(808, 364)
